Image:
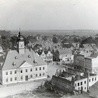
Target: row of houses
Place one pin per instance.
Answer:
(65, 55)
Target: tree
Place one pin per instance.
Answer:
(44, 38)
(13, 40)
(54, 39)
(56, 55)
(32, 39)
(5, 42)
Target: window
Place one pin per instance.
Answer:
(78, 84)
(26, 70)
(89, 80)
(7, 80)
(85, 88)
(30, 76)
(15, 71)
(16, 57)
(6, 73)
(43, 68)
(95, 78)
(10, 72)
(36, 69)
(36, 75)
(21, 71)
(81, 83)
(21, 77)
(92, 79)
(29, 56)
(34, 61)
(31, 69)
(10, 79)
(39, 68)
(15, 78)
(13, 64)
(84, 82)
(43, 74)
(40, 74)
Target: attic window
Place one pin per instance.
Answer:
(29, 56)
(16, 57)
(34, 61)
(13, 64)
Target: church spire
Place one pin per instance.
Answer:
(21, 45)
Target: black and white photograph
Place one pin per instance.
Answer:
(48, 48)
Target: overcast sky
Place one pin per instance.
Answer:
(48, 14)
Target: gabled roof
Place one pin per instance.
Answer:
(65, 51)
(63, 80)
(25, 64)
(88, 40)
(14, 59)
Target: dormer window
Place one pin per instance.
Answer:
(29, 56)
(13, 64)
(34, 61)
(16, 57)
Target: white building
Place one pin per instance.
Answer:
(88, 50)
(70, 82)
(66, 56)
(67, 59)
(22, 65)
(86, 63)
(1, 51)
(48, 57)
(94, 64)
(76, 45)
(85, 83)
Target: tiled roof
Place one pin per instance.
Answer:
(65, 51)
(1, 59)
(61, 79)
(14, 59)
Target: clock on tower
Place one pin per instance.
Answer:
(21, 44)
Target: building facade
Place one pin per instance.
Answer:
(85, 83)
(72, 83)
(26, 72)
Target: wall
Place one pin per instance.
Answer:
(0, 76)
(21, 76)
(62, 84)
(92, 80)
(84, 85)
(95, 62)
(88, 64)
(68, 58)
(79, 60)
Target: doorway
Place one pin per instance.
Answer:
(26, 78)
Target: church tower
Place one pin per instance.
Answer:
(21, 45)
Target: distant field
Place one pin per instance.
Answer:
(59, 32)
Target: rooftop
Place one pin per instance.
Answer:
(14, 59)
